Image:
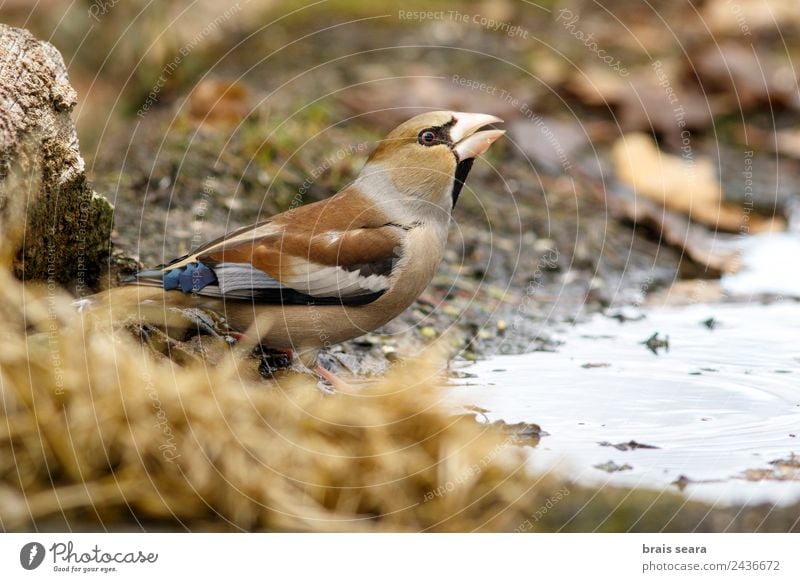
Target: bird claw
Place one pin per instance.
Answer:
(324, 387)
(273, 360)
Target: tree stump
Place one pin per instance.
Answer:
(53, 227)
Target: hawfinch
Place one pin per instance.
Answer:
(336, 269)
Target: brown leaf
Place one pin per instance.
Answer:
(747, 17)
(689, 292)
(629, 446)
(649, 99)
(687, 185)
(219, 103)
(748, 77)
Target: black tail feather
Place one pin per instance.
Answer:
(150, 276)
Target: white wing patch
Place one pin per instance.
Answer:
(241, 280)
(332, 281)
(242, 277)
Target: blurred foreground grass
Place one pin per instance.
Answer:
(99, 433)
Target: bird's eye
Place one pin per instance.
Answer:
(427, 137)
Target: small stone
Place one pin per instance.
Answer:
(654, 343)
(502, 326)
(681, 482)
(612, 467)
(497, 293)
(451, 310)
(597, 283)
(427, 332)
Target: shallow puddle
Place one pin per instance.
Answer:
(720, 403)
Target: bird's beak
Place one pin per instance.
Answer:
(468, 142)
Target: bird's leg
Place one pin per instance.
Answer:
(304, 362)
(333, 380)
(330, 377)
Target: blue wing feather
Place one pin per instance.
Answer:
(238, 282)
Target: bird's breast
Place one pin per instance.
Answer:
(423, 249)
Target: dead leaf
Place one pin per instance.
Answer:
(649, 99)
(215, 102)
(646, 107)
(791, 462)
(629, 446)
(779, 474)
(746, 17)
(675, 229)
(612, 467)
(747, 76)
(685, 184)
(689, 292)
(785, 141)
(597, 86)
(787, 469)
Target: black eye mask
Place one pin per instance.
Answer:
(441, 135)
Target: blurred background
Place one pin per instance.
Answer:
(645, 139)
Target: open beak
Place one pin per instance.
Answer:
(468, 142)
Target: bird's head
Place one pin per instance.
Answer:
(422, 163)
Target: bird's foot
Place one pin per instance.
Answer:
(273, 360)
(328, 368)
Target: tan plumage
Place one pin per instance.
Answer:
(335, 269)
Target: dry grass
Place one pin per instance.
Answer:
(98, 428)
(97, 432)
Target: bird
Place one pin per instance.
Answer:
(333, 270)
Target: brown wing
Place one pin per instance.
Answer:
(344, 264)
(338, 250)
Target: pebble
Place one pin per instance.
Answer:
(451, 310)
(427, 332)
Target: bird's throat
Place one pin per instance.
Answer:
(462, 170)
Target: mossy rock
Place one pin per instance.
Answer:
(53, 227)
